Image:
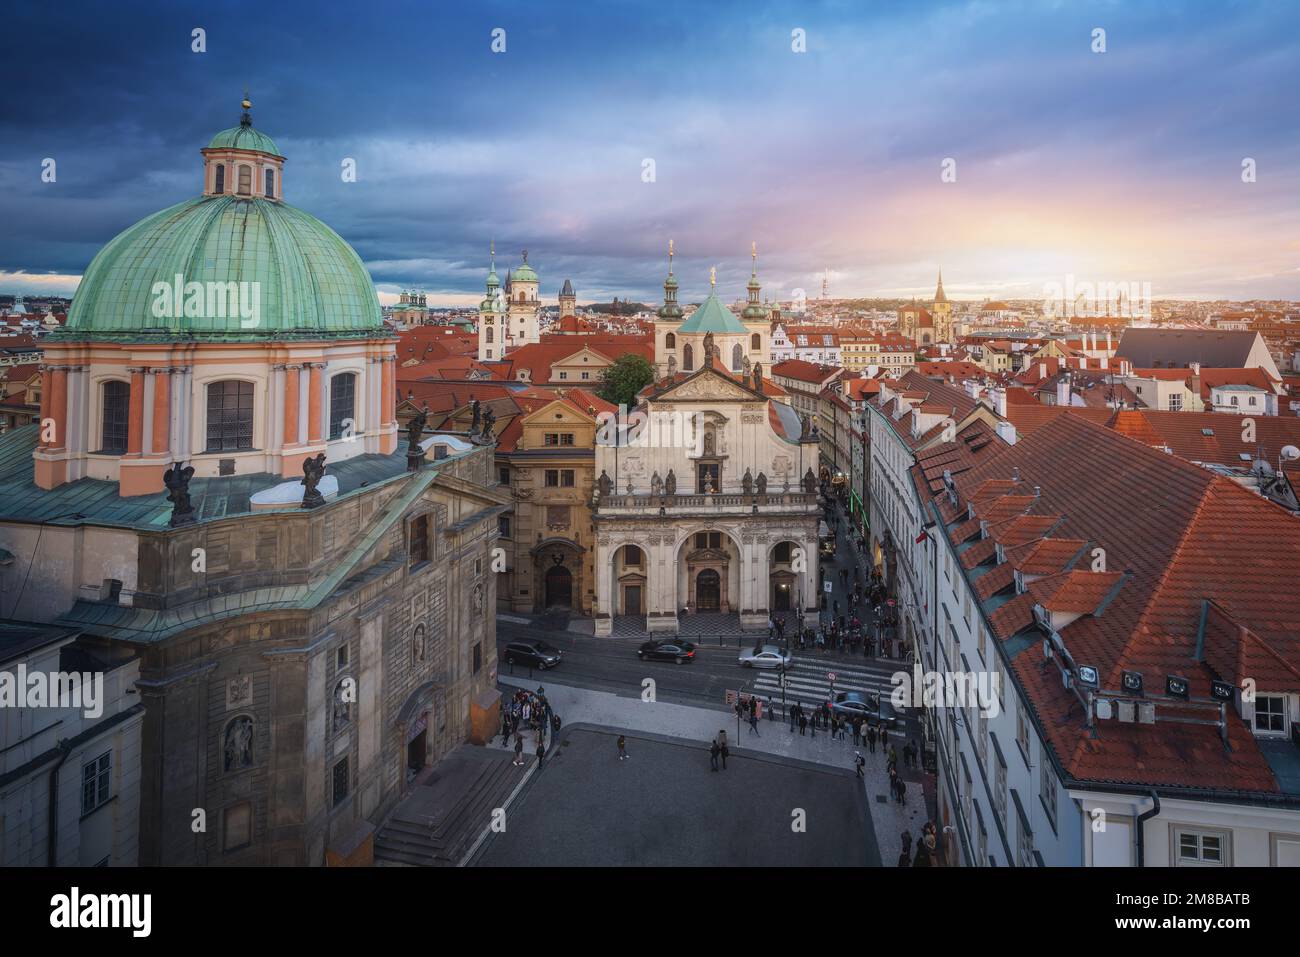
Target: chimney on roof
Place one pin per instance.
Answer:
(1015, 473)
(1000, 401)
(1007, 432)
(1063, 390)
(1037, 491)
(1042, 371)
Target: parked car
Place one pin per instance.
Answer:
(667, 649)
(766, 656)
(536, 654)
(855, 704)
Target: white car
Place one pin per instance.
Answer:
(767, 656)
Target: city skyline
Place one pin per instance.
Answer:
(1086, 171)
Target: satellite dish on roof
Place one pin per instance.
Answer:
(1262, 466)
(1290, 453)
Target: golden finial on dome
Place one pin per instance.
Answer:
(713, 277)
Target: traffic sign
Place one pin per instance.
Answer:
(830, 676)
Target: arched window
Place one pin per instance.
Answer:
(756, 343)
(230, 416)
(688, 358)
(737, 357)
(270, 183)
(343, 403)
(417, 644)
(245, 180)
(220, 186)
(670, 341)
(238, 743)
(116, 418)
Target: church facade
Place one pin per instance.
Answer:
(708, 503)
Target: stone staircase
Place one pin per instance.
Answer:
(442, 817)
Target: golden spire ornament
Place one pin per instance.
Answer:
(713, 277)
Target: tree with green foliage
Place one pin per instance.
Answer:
(621, 382)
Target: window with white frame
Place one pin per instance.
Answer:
(1270, 714)
(1197, 848)
(1047, 790)
(96, 782)
(1022, 732)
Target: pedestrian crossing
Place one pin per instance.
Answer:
(806, 679)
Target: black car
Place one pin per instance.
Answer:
(855, 704)
(667, 649)
(536, 654)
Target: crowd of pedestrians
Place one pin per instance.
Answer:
(527, 712)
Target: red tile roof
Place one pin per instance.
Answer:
(1174, 537)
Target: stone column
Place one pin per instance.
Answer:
(388, 400)
(135, 429)
(162, 411)
(278, 378)
(291, 395)
(58, 408)
(314, 401)
(47, 379)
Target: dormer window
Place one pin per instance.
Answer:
(270, 184)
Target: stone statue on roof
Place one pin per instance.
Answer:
(604, 484)
(477, 411)
(670, 483)
(177, 479)
(313, 470)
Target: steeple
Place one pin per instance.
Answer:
(753, 310)
(938, 293)
(670, 310)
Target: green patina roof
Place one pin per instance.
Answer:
(524, 273)
(244, 138)
(712, 316)
(311, 282)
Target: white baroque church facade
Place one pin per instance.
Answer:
(717, 513)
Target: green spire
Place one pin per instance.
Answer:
(753, 309)
(670, 309)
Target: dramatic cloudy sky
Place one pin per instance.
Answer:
(1123, 166)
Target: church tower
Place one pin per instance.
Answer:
(522, 306)
(755, 317)
(667, 321)
(941, 312)
(491, 318)
(568, 301)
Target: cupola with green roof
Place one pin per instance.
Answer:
(297, 277)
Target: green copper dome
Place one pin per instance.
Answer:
(244, 138)
(712, 316)
(524, 273)
(310, 281)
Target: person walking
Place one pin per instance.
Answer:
(803, 724)
(753, 721)
(622, 748)
(902, 790)
(884, 737)
(722, 737)
(724, 752)
(519, 749)
(541, 751)
(859, 763)
(714, 751)
(871, 737)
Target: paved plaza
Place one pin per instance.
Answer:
(664, 807)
